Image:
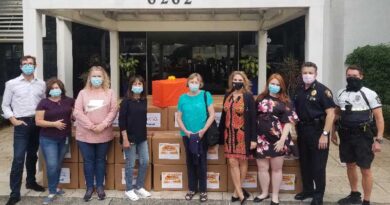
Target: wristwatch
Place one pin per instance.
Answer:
(379, 140)
(325, 133)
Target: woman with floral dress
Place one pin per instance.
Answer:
(275, 116)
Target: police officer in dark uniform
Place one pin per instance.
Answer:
(360, 135)
(315, 108)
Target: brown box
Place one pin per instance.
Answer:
(157, 118)
(108, 180)
(217, 178)
(170, 177)
(119, 155)
(251, 182)
(120, 182)
(168, 148)
(110, 159)
(216, 155)
(73, 153)
(69, 178)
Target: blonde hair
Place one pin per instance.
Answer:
(247, 83)
(106, 79)
(198, 76)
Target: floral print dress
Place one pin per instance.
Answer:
(272, 115)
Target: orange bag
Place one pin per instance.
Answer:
(167, 92)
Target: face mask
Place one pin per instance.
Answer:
(354, 84)
(238, 85)
(137, 89)
(55, 92)
(28, 69)
(273, 88)
(193, 87)
(308, 78)
(96, 81)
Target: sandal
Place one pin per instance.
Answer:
(190, 195)
(203, 197)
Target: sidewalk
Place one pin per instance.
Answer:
(337, 183)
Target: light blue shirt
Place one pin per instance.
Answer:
(193, 109)
(21, 97)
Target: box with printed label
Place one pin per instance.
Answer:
(108, 179)
(216, 155)
(69, 177)
(110, 158)
(168, 148)
(120, 178)
(251, 183)
(72, 155)
(170, 177)
(120, 156)
(157, 118)
(217, 178)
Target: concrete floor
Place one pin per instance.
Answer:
(337, 183)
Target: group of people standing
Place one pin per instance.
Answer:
(249, 128)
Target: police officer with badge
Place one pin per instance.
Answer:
(360, 128)
(315, 108)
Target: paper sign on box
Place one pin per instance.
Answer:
(213, 180)
(153, 120)
(288, 182)
(169, 151)
(250, 180)
(172, 180)
(65, 176)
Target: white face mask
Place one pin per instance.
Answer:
(308, 78)
(193, 87)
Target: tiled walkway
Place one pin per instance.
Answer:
(337, 182)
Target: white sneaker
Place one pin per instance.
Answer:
(142, 193)
(131, 195)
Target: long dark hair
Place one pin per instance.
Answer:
(130, 94)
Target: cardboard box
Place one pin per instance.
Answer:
(172, 116)
(216, 155)
(108, 180)
(110, 159)
(69, 177)
(217, 178)
(251, 182)
(168, 148)
(157, 118)
(73, 153)
(170, 177)
(120, 155)
(120, 181)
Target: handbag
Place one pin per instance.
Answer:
(212, 133)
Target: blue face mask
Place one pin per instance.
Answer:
(137, 89)
(96, 81)
(193, 87)
(28, 69)
(274, 89)
(55, 92)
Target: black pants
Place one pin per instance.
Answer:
(312, 160)
(26, 143)
(197, 173)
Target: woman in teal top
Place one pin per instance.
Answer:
(193, 122)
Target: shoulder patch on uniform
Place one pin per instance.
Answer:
(328, 93)
(313, 92)
(378, 100)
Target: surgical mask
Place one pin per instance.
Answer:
(137, 89)
(56, 92)
(274, 89)
(28, 69)
(238, 85)
(354, 84)
(308, 78)
(96, 81)
(193, 87)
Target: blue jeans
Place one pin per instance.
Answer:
(94, 155)
(26, 143)
(54, 152)
(130, 153)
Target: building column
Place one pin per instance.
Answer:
(314, 42)
(262, 60)
(32, 37)
(114, 58)
(65, 55)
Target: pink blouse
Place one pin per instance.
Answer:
(93, 108)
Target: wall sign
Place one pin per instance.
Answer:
(170, 2)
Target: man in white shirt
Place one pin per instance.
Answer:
(21, 97)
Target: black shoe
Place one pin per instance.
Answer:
(13, 200)
(353, 198)
(100, 192)
(234, 199)
(246, 193)
(273, 203)
(35, 187)
(258, 200)
(303, 195)
(316, 201)
(88, 194)
(243, 201)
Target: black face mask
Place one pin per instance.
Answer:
(238, 85)
(354, 84)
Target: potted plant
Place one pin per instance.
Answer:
(250, 66)
(128, 65)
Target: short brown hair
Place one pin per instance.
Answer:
(24, 58)
(355, 67)
(51, 82)
(309, 64)
(198, 76)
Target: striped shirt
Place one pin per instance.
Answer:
(21, 97)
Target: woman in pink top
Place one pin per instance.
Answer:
(95, 110)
